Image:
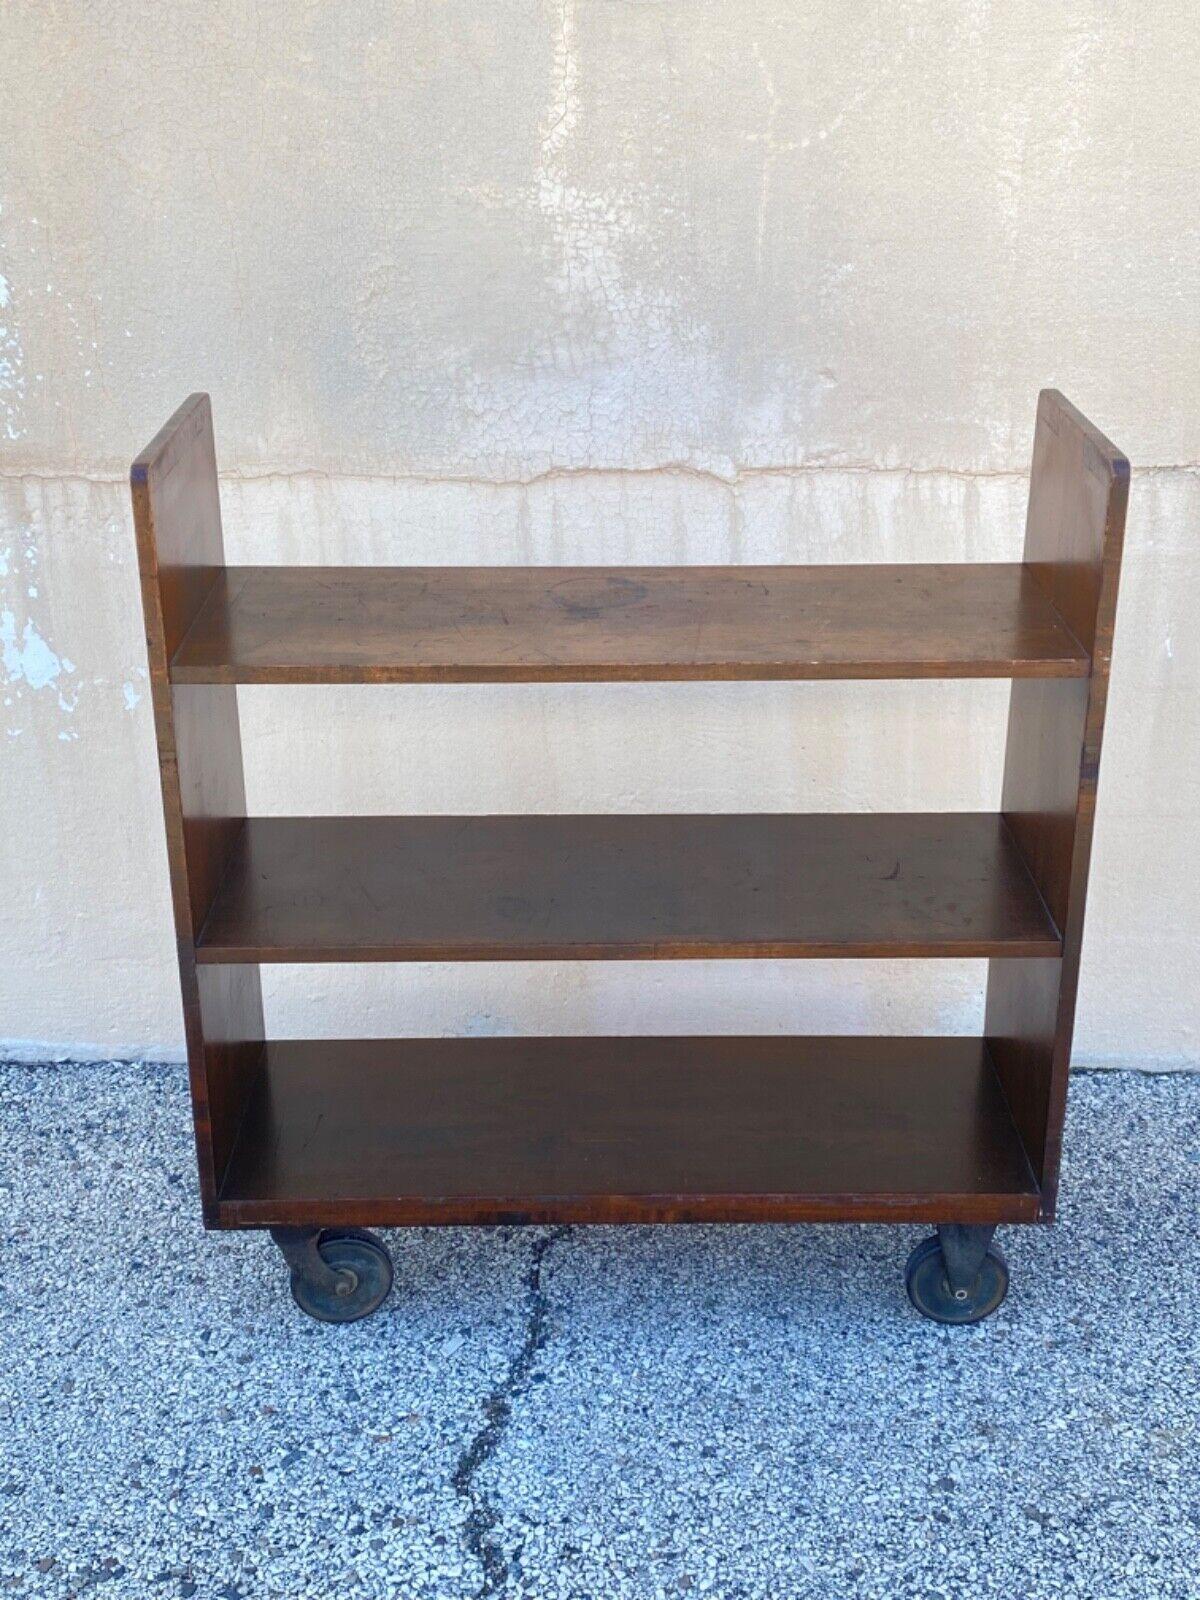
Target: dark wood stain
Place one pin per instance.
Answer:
(1078, 494)
(625, 887)
(177, 521)
(553, 624)
(943, 1130)
(627, 1130)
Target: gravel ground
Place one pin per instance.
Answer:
(589, 1412)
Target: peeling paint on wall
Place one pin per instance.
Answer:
(12, 363)
(12, 357)
(30, 663)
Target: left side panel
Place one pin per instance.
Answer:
(177, 518)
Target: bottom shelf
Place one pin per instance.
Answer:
(398, 1131)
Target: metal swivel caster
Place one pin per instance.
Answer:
(957, 1275)
(338, 1274)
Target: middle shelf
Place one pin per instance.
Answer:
(613, 887)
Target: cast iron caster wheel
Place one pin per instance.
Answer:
(929, 1287)
(361, 1277)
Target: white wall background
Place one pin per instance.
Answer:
(587, 281)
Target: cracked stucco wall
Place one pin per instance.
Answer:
(593, 280)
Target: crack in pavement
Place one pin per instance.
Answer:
(497, 1410)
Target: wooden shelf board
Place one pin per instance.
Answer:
(390, 1132)
(548, 624)
(521, 888)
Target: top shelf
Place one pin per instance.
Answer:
(598, 624)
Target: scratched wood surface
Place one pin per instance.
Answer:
(523, 888)
(544, 624)
(627, 1130)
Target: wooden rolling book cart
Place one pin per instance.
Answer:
(317, 1140)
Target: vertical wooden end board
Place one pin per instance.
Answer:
(177, 518)
(1078, 492)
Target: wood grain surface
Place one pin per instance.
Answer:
(550, 624)
(518, 888)
(628, 1129)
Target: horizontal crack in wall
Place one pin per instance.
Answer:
(729, 480)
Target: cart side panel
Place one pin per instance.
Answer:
(177, 520)
(1078, 493)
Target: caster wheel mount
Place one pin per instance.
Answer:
(957, 1275)
(337, 1274)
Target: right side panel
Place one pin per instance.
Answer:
(1078, 491)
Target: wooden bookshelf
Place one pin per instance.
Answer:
(318, 1140)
